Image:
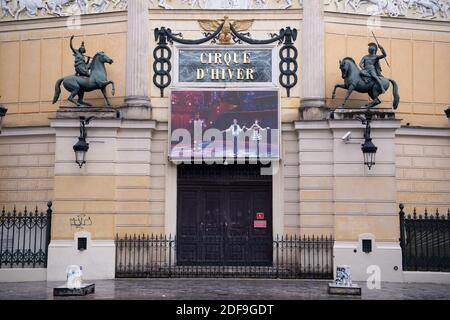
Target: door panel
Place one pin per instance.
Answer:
(210, 227)
(216, 220)
(187, 232)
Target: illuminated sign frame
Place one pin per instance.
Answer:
(226, 84)
(221, 159)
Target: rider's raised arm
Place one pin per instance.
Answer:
(71, 44)
(383, 53)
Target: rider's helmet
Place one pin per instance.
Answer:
(373, 46)
(82, 49)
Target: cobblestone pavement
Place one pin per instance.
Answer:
(222, 289)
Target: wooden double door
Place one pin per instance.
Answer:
(224, 218)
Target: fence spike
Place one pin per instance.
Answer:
(414, 214)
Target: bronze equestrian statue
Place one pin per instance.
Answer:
(368, 80)
(89, 76)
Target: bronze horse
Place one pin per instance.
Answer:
(78, 85)
(353, 81)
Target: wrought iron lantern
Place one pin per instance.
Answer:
(447, 112)
(82, 147)
(368, 148)
(3, 111)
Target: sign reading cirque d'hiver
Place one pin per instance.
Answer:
(225, 65)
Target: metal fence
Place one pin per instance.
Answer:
(425, 241)
(24, 238)
(294, 257)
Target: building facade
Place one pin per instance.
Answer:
(131, 183)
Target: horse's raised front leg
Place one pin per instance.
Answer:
(105, 96)
(109, 82)
(342, 86)
(349, 93)
(113, 90)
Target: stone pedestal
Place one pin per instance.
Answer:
(63, 291)
(77, 112)
(349, 114)
(312, 105)
(135, 112)
(353, 290)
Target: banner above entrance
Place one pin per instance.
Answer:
(224, 65)
(218, 124)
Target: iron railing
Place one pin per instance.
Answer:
(24, 238)
(425, 241)
(294, 257)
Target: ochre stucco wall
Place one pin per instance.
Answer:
(26, 171)
(423, 173)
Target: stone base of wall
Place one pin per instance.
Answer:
(97, 261)
(383, 264)
(23, 275)
(426, 277)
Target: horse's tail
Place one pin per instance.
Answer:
(396, 101)
(57, 90)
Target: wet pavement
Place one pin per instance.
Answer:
(222, 289)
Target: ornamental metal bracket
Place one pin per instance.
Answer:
(162, 53)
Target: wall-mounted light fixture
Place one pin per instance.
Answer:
(3, 111)
(447, 112)
(82, 147)
(368, 148)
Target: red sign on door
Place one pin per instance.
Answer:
(260, 216)
(260, 224)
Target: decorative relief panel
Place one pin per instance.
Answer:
(22, 9)
(416, 9)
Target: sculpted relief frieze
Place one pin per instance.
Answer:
(416, 9)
